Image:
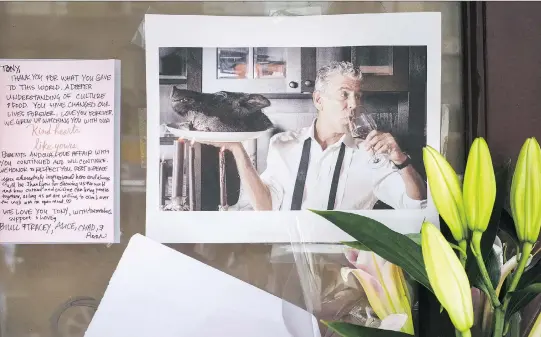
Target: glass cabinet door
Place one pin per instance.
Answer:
(173, 64)
(373, 60)
(268, 70)
(232, 63)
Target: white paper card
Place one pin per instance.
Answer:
(59, 151)
(276, 65)
(157, 291)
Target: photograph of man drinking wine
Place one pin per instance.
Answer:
(350, 139)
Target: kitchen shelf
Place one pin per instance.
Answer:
(287, 96)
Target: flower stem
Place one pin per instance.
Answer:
(476, 243)
(506, 327)
(499, 320)
(463, 244)
(466, 333)
(524, 257)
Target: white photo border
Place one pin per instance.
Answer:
(389, 29)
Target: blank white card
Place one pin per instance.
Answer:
(157, 291)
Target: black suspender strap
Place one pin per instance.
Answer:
(301, 176)
(298, 190)
(335, 177)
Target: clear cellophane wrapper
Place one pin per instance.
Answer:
(319, 282)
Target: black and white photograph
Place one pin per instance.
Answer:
(349, 138)
(257, 128)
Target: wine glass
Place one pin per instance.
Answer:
(362, 123)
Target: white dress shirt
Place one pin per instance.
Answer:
(360, 184)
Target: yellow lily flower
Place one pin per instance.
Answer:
(447, 278)
(384, 285)
(526, 192)
(479, 186)
(536, 329)
(446, 192)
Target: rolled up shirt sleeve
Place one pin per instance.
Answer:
(276, 192)
(271, 177)
(391, 189)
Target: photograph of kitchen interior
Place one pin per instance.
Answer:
(199, 177)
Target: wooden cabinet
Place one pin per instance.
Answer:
(384, 68)
(277, 70)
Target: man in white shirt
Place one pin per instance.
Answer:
(322, 166)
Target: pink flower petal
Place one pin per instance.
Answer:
(393, 322)
(373, 290)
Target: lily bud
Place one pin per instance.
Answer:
(447, 277)
(536, 329)
(526, 192)
(446, 192)
(479, 186)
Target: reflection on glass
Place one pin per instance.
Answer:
(233, 62)
(269, 62)
(173, 62)
(375, 60)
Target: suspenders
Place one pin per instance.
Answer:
(303, 170)
(335, 177)
(301, 176)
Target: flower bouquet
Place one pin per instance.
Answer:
(480, 267)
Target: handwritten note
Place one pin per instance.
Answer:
(57, 150)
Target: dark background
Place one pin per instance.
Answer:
(502, 94)
(513, 84)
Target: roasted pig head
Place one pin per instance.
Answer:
(222, 111)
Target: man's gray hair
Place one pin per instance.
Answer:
(343, 68)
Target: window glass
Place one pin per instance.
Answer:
(53, 290)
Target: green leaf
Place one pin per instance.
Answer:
(514, 326)
(493, 268)
(521, 298)
(507, 225)
(388, 244)
(356, 245)
(532, 288)
(351, 330)
(416, 237)
(531, 275)
(510, 247)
